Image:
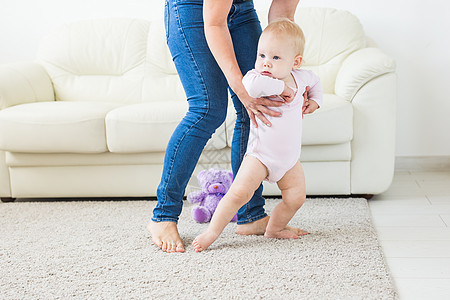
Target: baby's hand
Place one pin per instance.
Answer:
(287, 94)
(309, 106)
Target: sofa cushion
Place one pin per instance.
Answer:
(55, 127)
(147, 127)
(330, 124)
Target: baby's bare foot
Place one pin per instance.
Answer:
(254, 228)
(165, 235)
(297, 231)
(203, 241)
(282, 234)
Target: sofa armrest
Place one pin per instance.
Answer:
(373, 143)
(367, 78)
(24, 83)
(359, 68)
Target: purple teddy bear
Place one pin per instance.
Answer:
(214, 184)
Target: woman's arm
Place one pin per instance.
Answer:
(219, 41)
(282, 9)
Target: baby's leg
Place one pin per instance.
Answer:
(250, 175)
(293, 193)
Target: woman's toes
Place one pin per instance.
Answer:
(158, 243)
(179, 248)
(164, 246)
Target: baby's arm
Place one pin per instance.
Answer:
(315, 95)
(258, 85)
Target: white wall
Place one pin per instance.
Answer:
(413, 32)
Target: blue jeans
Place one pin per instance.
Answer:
(207, 94)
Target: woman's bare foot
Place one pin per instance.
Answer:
(165, 235)
(282, 234)
(254, 228)
(203, 241)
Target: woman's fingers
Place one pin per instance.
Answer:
(259, 108)
(263, 119)
(268, 111)
(268, 102)
(252, 118)
(259, 115)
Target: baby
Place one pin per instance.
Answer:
(273, 152)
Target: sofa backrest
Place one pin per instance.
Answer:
(114, 60)
(128, 61)
(331, 36)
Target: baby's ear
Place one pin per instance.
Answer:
(298, 61)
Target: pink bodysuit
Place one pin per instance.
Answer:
(278, 147)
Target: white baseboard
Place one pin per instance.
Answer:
(422, 163)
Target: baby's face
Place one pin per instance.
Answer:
(276, 56)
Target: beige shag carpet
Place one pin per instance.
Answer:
(101, 250)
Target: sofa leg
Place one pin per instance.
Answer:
(8, 199)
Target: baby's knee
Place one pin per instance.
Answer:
(302, 198)
(240, 194)
(296, 202)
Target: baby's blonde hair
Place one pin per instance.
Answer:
(286, 27)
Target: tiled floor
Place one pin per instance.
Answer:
(413, 223)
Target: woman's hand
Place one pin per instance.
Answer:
(258, 108)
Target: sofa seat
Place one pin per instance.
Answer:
(55, 127)
(64, 127)
(147, 127)
(329, 125)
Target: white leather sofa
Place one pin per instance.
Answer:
(91, 117)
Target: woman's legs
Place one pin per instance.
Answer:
(206, 91)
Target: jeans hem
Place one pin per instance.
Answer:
(157, 220)
(253, 219)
